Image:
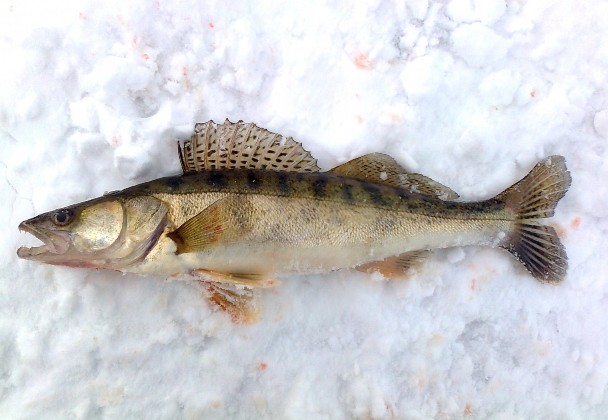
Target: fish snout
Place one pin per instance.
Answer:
(53, 242)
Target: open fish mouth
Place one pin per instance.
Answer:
(53, 243)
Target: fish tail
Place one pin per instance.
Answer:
(537, 246)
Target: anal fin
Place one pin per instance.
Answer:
(398, 266)
(240, 304)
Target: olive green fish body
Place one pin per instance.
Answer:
(311, 222)
(252, 205)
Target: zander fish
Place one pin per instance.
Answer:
(252, 205)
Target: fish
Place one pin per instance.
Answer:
(252, 206)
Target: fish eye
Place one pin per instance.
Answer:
(63, 217)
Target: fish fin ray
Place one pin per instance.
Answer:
(221, 222)
(397, 266)
(258, 280)
(241, 304)
(242, 146)
(536, 246)
(379, 168)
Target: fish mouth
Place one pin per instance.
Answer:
(53, 243)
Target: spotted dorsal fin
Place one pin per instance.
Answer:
(242, 146)
(383, 169)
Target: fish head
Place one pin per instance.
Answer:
(108, 232)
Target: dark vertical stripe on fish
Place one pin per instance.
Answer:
(253, 181)
(174, 182)
(347, 193)
(283, 183)
(374, 193)
(216, 179)
(319, 185)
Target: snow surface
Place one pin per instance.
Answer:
(469, 92)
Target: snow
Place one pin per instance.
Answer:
(469, 93)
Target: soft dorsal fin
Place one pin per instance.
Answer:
(383, 169)
(242, 146)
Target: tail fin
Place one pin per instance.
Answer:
(537, 246)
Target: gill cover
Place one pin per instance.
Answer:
(144, 220)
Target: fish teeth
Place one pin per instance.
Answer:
(25, 252)
(47, 243)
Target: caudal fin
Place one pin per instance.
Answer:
(537, 246)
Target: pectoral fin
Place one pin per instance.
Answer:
(397, 266)
(241, 304)
(223, 222)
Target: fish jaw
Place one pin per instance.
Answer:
(54, 244)
(55, 248)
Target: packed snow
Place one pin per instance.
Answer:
(471, 93)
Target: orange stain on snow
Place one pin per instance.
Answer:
(575, 223)
(145, 56)
(121, 20)
(543, 347)
(363, 62)
(262, 366)
(185, 81)
(468, 410)
(481, 275)
(115, 141)
(473, 284)
(436, 340)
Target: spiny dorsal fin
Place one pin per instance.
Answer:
(383, 169)
(242, 146)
